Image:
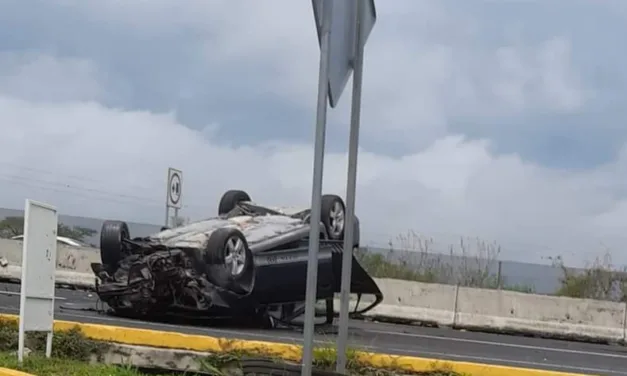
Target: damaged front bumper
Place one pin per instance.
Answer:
(160, 283)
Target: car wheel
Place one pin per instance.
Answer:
(332, 216)
(356, 233)
(112, 236)
(230, 200)
(227, 249)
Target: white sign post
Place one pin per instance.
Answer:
(343, 28)
(174, 194)
(39, 259)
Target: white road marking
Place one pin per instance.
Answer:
(503, 344)
(508, 362)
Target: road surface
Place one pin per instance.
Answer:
(446, 344)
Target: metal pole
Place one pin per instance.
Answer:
(21, 334)
(353, 149)
(176, 218)
(316, 191)
(167, 199)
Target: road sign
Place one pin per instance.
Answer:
(175, 188)
(39, 263)
(343, 28)
(343, 39)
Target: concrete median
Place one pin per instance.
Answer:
(510, 311)
(414, 302)
(73, 264)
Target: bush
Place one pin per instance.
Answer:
(600, 280)
(410, 257)
(71, 344)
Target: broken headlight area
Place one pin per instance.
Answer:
(154, 283)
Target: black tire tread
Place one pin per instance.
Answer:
(230, 199)
(356, 233)
(214, 252)
(111, 234)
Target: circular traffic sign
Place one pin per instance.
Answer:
(175, 188)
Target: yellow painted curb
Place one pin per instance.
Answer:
(153, 338)
(12, 372)
(410, 363)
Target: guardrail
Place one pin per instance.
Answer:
(414, 302)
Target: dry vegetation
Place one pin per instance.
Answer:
(471, 262)
(599, 280)
(475, 263)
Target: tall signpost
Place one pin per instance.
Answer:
(322, 13)
(343, 28)
(174, 194)
(365, 16)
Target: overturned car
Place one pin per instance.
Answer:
(250, 261)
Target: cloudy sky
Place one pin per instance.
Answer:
(502, 120)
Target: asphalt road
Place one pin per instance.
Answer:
(446, 344)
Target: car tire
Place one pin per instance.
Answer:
(227, 253)
(332, 216)
(112, 248)
(356, 233)
(230, 199)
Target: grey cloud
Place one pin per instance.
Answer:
(251, 66)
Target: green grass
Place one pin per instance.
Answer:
(41, 366)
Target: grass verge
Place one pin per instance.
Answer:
(73, 354)
(40, 366)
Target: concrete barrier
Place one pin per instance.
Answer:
(500, 311)
(540, 314)
(73, 263)
(68, 258)
(414, 302)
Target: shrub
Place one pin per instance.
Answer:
(410, 257)
(600, 280)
